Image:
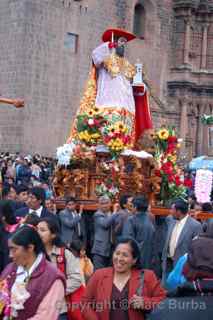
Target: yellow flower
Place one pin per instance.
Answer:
(163, 134)
(95, 135)
(96, 110)
(84, 135)
(120, 127)
(91, 112)
(116, 145)
(112, 129)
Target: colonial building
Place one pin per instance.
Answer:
(45, 58)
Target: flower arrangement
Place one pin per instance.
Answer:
(116, 137)
(4, 299)
(110, 186)
(73, 154)
(167, 145)
(203, 185)
(64, 153)
(95, 128)
(89, 127)
(10, 304)
(107, 189)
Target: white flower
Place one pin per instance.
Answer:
(64, 153)
(91, 122)
(203, 185)
(18, 297)
(113, 190)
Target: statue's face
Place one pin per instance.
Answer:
(121, 42)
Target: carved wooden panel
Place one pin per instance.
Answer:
(131, 175)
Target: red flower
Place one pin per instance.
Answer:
(107, 139)
(177, 181)
(172, 139)
(171, 178)
(96, 123)
(188, 183)
(171, 148)
(167, 168)
(126, 139)
(158, 173)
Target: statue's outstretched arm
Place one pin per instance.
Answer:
(100, 54)
(17, 103)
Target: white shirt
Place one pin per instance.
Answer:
(38, 211)
(22, 273)
(19, 294)
(75, 214)
(175, 235)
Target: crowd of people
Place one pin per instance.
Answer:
(120, 263)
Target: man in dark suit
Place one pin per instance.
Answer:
(72, 223)
(140, 227)
(123, 215)
(181, 230)
(103, 233)
(35, 204)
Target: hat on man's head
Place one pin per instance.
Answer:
(107, 35)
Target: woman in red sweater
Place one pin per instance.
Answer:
(123, 291)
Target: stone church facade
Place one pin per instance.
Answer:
(45, 58)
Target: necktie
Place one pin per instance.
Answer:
(79, 229)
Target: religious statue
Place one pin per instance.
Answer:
(116, 87)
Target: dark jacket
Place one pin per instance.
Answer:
(72, 227)
(103, 232)
(191, 229)
(184, 308)
(140, 228)
(22, 212)
(187, 303)
(4, 250)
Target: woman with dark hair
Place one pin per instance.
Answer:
(123, 291)
(49, 232)
(31, 286)
(7, 222)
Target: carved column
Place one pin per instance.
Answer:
(183, 124)
(204, 46)
(187, 42)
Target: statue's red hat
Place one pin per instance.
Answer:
(107, 35)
